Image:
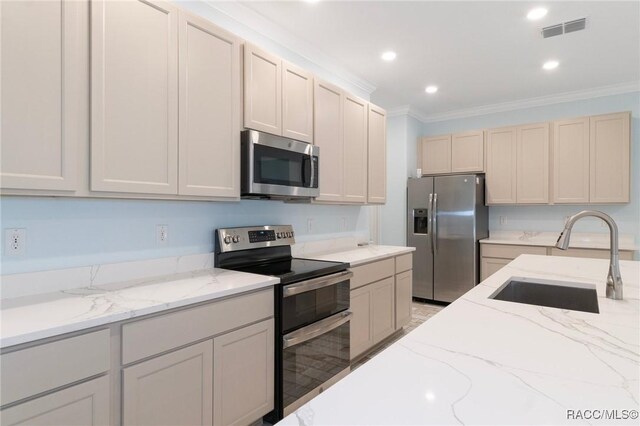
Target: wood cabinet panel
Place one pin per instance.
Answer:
(491, 265)
(501, 166)
(532, 152)
(355, 150)
(377, 156)
(134, 112)
(172, 389)
(467, 152)
(403, 291)
(243, 371)
(374, 271)
(41, 93)
(262, 90)
(404, 262)
(590, 253)
(571, 160)
(297, 103)
(37, 369)
(80, 405)
(609, 147)
(328, 135)
(436, 155)
(506, 251)
(209, 125)
(361, 336)
(382, 309)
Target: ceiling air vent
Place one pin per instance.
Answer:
(564, 28)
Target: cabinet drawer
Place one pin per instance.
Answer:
(590, 253)
(41, 368)
(372, 272)
(510, 251)
(145, 338)
(404, 262)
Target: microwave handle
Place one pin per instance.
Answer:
(317, 329)
(313, 171)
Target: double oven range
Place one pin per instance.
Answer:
(311, 310)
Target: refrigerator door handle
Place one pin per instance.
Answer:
(430, 221)
(434, 231)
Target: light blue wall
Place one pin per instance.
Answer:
(402, 133)
(551, 218)
(65, 232)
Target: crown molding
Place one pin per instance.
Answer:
(597, 92)
(407, 110)
(256, 28)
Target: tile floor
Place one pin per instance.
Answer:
(420, 312)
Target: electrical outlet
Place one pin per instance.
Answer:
(503, 220)
(310, 223)
(15, 241)
(162, 234)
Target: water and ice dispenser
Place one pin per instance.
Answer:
(420, 220)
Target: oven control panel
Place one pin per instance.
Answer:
(233, 239)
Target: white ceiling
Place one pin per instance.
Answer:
(478, 53)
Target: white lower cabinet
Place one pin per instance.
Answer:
(382, 309)
(243, 374)
(404, 287)
(81, 405)
(361, 338)
(172, 389)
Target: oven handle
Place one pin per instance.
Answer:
(315, 283)
(316, 329)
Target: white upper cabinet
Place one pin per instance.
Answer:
(377, 184)
(571, 161)
(262, 90)
(355, 149)
(436, 155)
(209, 96)
(532, 152)
(609, 148)
(134, 96)
(297, 103)
(42, 92)
(467, 152)
(501, 166)
(328, 107)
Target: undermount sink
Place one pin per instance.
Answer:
(553, 294)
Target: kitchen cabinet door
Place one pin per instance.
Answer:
(377, 157)
(209, 125)
(79, 405)
(403, 290)
(382, 309)
(609, 147)
(361, 336)
(243, 372)
(42, 93)
(297, 103)
(262, 90)
(172, 389)
(436, 155)
(570, 147)
(134, 96)
(501, 166)
(532, 152)
(467, 152)
(355, 149)
(490, 265)
(328, 117)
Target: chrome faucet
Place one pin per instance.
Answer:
(614, 280)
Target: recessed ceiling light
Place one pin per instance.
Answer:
(388, 56)
(431, 89)
(550, 65)
(537, 13)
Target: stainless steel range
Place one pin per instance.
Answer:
(311, 310)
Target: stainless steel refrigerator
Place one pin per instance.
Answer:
(446, 217)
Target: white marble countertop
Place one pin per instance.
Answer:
(484, 361)
(548, 239)
(33, 317)
(360, 255)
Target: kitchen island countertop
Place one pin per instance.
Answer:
(485, 361)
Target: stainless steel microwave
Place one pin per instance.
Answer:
(277, 167)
